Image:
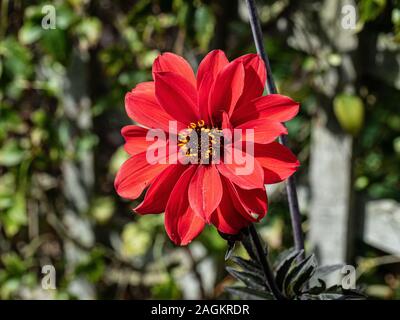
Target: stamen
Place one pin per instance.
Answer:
(207, 145)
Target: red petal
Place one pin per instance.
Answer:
(252, 204)
(255, 77)
(157, 195)
(274, 107)
(246, 180)
(226, 217)
(204, 95)
(209, 67)
(213, 63)
(135, 175)
(177, 96)
(205, 190)
(142, 106)
(173, 63)
(278, 162)
(135, 138)
(226, 123)
(181, 222)
(265, 131)
(227, 89)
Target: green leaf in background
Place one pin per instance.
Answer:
(212, 240)
(11, 154)
(66, 17)
(118, 158)
(7, 191)
(93, 267)
(135, 240)
(14, 263)
(17, 58)
(204, 24)
(396, 145)
(15, 217)
(17, 67)
(349, 111)
(147, 58)
(86, 143)
(15, 274)
(30, 33)
(10, 122)
(371, 9)
(55, 43)
(182, 9)
(166, 290)
(103, 209)
(89, 32)
(396, 23)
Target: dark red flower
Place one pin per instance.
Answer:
(223, 95)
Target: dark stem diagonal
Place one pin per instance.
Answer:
(290, 183)
(262, 258)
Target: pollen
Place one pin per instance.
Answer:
(201, 143)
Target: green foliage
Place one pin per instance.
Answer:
(16, 69)
(116, 42)
(296, 278)
(135, 240)
(396, 23)
(349, 111)
(371, 9)
(166, 290)
(15, 274)
(204, 26)
(92, 267)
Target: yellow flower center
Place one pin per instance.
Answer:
(200, 142)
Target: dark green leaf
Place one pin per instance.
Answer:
(348, 294)
(248, 245)
(294, 273)
(282, 257)
(304, 275)
(229, 251)
(248, 265)
(284, 266)
(249, 294)
(317, 289)
(249, 279)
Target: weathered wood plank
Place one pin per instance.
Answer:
(330, 176)
(382, 225)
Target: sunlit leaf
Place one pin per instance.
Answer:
(349, 111)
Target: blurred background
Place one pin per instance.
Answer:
(62, 93)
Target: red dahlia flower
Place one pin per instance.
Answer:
(223, 95)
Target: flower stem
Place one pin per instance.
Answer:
(290, 183)
(269, 276)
